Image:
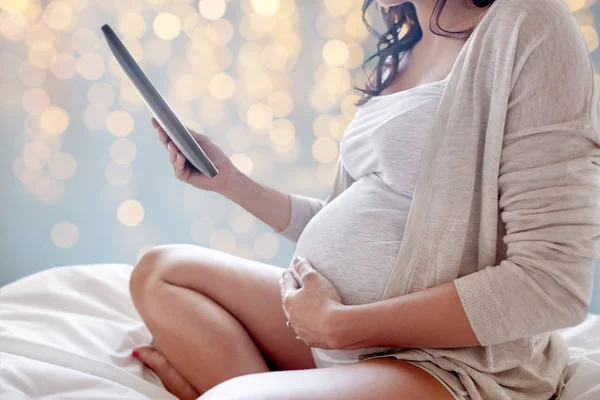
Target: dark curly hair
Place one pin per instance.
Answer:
(391, 47)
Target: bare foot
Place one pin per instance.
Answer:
(174, 382)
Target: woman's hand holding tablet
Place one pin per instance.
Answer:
(184, 170)
(195, 158)
(176, 131)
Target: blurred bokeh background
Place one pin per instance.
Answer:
(83, 177)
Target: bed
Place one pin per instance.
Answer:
(67, 333)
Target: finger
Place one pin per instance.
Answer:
(179, 165)
(281, 287)
(162, 136)
(172, 151)
(289, 283)
(305, 270)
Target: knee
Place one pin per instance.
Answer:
(149, 271)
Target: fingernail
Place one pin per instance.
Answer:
(135, 354)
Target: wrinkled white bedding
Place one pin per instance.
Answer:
(67, 333)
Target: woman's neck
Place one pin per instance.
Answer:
(454, 17)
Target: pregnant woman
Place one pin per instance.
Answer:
(459, 235)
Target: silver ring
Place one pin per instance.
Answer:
(288, 323)
(298, 338)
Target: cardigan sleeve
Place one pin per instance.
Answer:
(549, 191)
(303, 208)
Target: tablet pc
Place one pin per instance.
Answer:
(176, 131)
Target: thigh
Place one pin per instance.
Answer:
(247, 289)
(374, 379)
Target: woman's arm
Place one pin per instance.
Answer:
(267, 204)
(430, 318)
(286, 214)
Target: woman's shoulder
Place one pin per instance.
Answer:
(541, 30)
(533, 8)
(535, 18)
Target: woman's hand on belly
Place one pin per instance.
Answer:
(310, 308)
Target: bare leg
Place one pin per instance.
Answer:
(376, 379)
(202, 340)
(213, 315)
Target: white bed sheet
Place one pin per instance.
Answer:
(67, 333)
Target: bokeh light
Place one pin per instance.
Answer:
(118, 174)
(212, 9)
(259, 116)
(337, 8)
(223, 240)
(13, 6)
(241, 222)
(591, 37)
(84, 41)
(35, 101)
(130, 213)
(58, 15)
(41, 54)
(120, 123)
(54, 120)
(575, 5)
(335, 52)
(95, 118)
(101, 94)
(282, 132)
(281, 104)
(265, 7)
(242, 162)
(157, 51)
(188, 87)
(123, 151)
(64, 66)
(132, 25)
(90, 66)
(266, 245)
(166, 26)
(222, 86)
(325, 149)
(64, 234)
(62, 166)
(201, 229)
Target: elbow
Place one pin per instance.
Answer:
(562, 295)
(570, 313)
(580, 313)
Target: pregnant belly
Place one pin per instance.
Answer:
(353, 241)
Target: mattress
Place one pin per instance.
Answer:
(68, 332)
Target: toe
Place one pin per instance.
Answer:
(174, 382)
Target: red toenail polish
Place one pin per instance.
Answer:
(135, 354)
